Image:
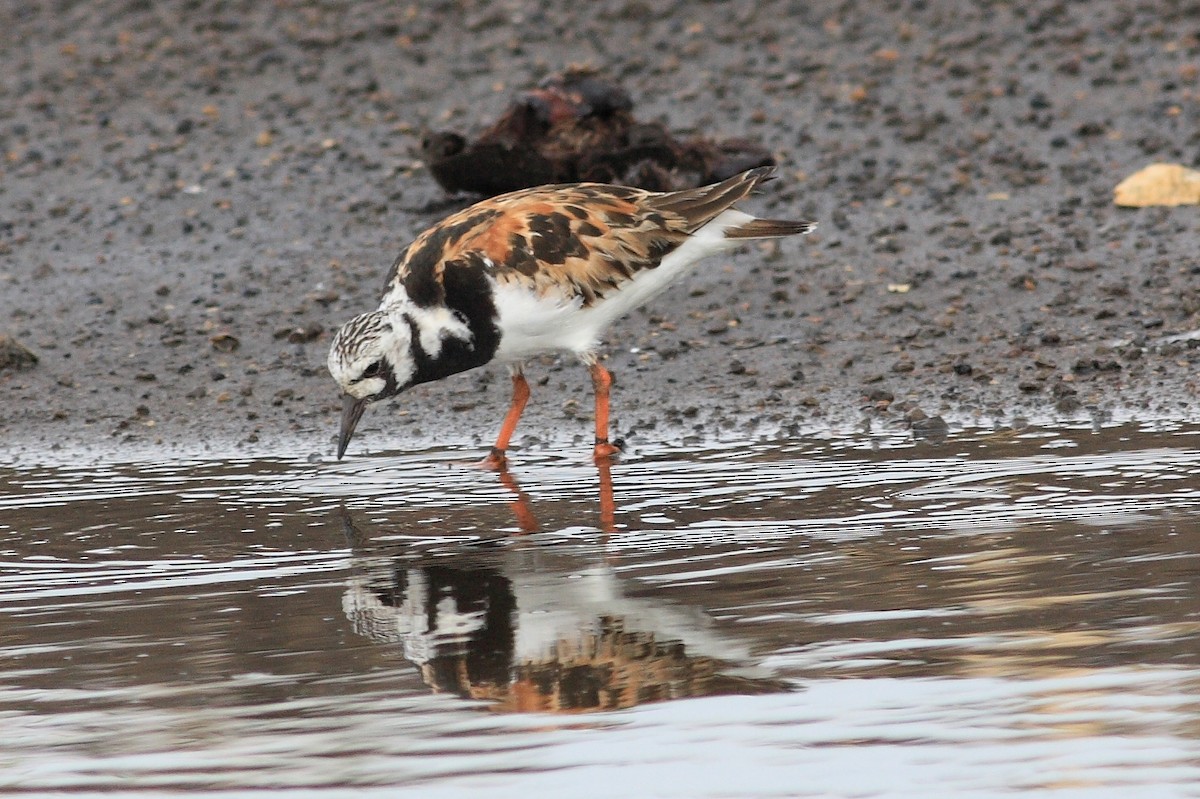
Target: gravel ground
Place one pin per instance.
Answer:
(193, 195)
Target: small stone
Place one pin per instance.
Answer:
(305, 334)
(1068, 405)
(324, 297)
(933, 428)
(1159, 184)
(15, 355)
(224, 342)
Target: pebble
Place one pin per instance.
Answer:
(15, 355)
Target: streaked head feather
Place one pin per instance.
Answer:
(371, 357)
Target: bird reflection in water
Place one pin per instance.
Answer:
(522, 507)
(526, 627)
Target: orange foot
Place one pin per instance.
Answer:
(494, 461)
(605, 450)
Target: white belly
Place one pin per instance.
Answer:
(532, 325)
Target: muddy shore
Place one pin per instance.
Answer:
(194, 195)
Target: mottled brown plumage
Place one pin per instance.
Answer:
(575, 240)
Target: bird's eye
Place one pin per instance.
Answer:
(373, 370)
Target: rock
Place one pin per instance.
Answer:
(579, 126)
(15, 355)
(305, 333)
(1068, 405)
(1159, 184)
(225, 342)
(932, 429)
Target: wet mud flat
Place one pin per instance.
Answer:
(193, 196)
(995, 610)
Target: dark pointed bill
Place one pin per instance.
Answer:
(352, 411)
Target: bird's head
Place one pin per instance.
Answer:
(371, 358)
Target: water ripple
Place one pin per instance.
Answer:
(999, 612)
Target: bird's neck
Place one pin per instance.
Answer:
(444, 344)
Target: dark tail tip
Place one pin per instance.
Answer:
(769, 229)
(760, 174)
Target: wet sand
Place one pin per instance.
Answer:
(193, 198)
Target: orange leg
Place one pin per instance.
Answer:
(601, 383)
(495, 459)
(520, 506)
(608, 508)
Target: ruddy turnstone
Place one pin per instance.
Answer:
(539, 270)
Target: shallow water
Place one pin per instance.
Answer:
(870, 617)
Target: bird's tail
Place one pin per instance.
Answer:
(703, 205)
(768, 229)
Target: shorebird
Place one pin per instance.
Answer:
(534, 271)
